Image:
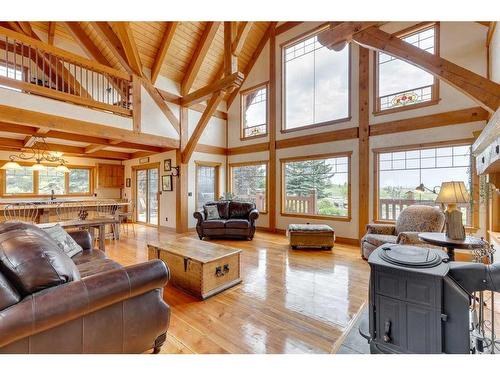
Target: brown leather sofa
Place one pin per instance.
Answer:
(237, 220)
(51, 303)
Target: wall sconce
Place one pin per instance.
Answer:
(176, 171)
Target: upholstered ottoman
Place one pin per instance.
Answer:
(311, 236)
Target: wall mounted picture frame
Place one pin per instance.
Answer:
(167, 165)
(128, 182)
(166, 183)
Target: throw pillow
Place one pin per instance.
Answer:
(65, 242)
(212, 212)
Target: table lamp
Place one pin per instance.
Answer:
(452, 193)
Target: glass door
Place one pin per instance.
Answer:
(147, 183)
(206, 184)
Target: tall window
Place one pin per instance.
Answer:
(400, 84)
(19, 181)
(400, 172)
(249, 183)
(206, 184)
(316, 84)
(254, 112)
(9, 71)
(27, 181)
(316, 186)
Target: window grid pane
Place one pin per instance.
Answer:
(255, 112)
(205, 185)
(249, 183)
(19, 181)
(49, 179)
(79, 181)
(399, 176)
(317, 187)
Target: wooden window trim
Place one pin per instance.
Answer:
(215, 165)
(3, 182)
(435, 87)
(347, 154)
(246, 164)
(459, 142)
(242, 111)
(296, 40)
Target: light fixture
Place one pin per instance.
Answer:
(452, 193)
(40, 153)
(422, 189)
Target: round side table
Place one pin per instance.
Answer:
(440, 239)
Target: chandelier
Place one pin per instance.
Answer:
(40, 153)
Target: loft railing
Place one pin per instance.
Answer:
(34, 67)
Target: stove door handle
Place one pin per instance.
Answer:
(387, 333)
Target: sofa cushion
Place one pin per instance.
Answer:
(32, 263)
(212, 224)
(212, 213)
(237, 223)
(96, 266)
(8, 294)
(8, 226)
(88, 255)
(379, 239)
(222, 206)
(240, 210)
(65, 242)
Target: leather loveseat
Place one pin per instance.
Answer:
(236, 220)
(51, 303)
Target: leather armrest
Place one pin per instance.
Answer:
(389, 229)
(82, 238)
(253, 215)
(54, 306)
(200, 216)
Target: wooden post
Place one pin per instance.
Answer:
(181, 182)
(136, 103)
(364, 145)
(272, 130)
(230, 60)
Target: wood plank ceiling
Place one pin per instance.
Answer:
(148, 37)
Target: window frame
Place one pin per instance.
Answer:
(247, 164)
(35, 194)
(435, 86)
(296, 40)
(217, 167)
(474, 176)
(347, 154)
(243, 94)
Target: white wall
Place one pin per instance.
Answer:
(495, 55)
(461, 42)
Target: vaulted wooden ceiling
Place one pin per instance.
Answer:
(186, 41)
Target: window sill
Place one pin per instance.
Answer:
(318, 125)
(253, 137)
(406, 108)
(318, 217)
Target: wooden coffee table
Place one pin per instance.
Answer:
(198, 267)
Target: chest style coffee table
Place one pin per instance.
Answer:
(198, 267)
(440, 239)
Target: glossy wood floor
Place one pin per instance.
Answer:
(289, 301)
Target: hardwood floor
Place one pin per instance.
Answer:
(290, 301)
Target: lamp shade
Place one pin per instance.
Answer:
(453, 192)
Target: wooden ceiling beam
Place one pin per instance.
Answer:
(20, 116)
(230, 59)
(84, 41)
(243, 31)
(108, 36)
(340, 33)
(484, 91)
(286, 26)
(124, 33)
(93, 148)
(228, 83)
(251, 62)
(165, 43)
(198, 56)
(202, 124)
(51, 33)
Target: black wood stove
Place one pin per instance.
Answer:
(419, 300)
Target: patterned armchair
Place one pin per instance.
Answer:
(411, 221)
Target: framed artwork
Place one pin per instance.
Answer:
(128, 182)
(167, 165)
(166, 182)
